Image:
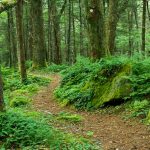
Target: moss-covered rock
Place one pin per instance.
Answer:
(115, 89)
(110, 81)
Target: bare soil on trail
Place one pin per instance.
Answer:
(110, 129)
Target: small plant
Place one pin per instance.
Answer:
(56, 68)
(18, 131)
(69, 117)
(138, 105)
(90, 133)
(19, 101)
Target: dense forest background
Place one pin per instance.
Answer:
(73, 73)
(58, 31)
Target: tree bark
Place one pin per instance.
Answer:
(94, 13)
(1, 94)
(19, 22)
(39, 46)
(143, 25)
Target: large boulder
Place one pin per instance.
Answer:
(114, 89)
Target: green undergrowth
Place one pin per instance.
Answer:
(56, 68)
(31, 130)
(18, 94)
(108, 82)
(66, 116)
(22, 128)
(53, 68)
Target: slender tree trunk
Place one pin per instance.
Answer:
(111, 26)
(130, 21)
(74, 35)
(12, 39)
(19, 19)
(69, 33)
(57, 40)
(50, 40)
(81, 30)
(1, 93)
(9, 38)
(143, 25)
(30, 38)
(148, 12)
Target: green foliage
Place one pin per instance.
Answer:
(138, 105)
(81, 80)
(140, 79)
(56, 68)
(19, 131)
(29, 64)
(84, 83)
(90, 133)
(69, 117)
(19, 101)
(148, 118)
(18, 94)
(12, 80)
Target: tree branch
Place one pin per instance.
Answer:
(62, 9)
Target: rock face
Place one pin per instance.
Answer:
(114, 89)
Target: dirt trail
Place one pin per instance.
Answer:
(113, 132)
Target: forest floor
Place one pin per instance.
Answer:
(114, 132)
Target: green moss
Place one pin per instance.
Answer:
(116, 88)
(112, 80)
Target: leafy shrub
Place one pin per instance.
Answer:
(12, 80)
(140, 78)
(56, 68)
(19, 131)
(81, 82)
(69, 117)
(138, 105)
(17, 93)
(29, 64)
(19, 101)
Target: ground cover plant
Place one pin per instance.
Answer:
(21, 131)
(111, 81)
(22, 128)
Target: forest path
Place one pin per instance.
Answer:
(113, 132)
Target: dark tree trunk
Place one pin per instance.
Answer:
(19, 20)
(1, 94)
(143, 25)
(94, 13)
(39, 46)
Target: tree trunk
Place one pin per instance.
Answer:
(57, 40)
(19, 20)
(81, 30)
(1, 94)
(12, 39)
(39, 46)
(143, 25)
(50, 39)
(94, 13)
(69, 34)
(110, 29)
